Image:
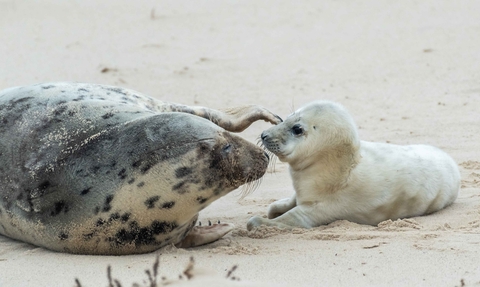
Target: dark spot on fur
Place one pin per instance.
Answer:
(209, 182)
(59, 206)
(85, 191)
(88, 236)
(48, 87)
(143, 235)
(125, 217)
(146, 163)
(63, 236)
(146, 167)
(201, 199)
(44, 185)
(150, 203)
(137, 163)
(162, 227)
(122, 174)
(114, 216)
(180, 187)
(106, 205)
(100, 222)
(168, 204)
(130, 181)
(108, 115)
(83, 90)
(117, 90)
(183, 171)
(79, 98)
(60, 110)
(203, 150)
(14, 103)
(141, 184)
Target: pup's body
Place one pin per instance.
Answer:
(337, 176)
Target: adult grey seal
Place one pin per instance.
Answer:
(95, 169)
(338, 176)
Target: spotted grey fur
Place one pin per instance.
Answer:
(96, 169)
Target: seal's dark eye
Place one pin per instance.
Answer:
(227, 148)
(297, 130)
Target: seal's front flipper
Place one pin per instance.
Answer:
(201, 235)
(299, 216)
(234, 119)
(281, 206)
(242, 117)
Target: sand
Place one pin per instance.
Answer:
(408, 71)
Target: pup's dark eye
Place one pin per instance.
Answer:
(297, 130)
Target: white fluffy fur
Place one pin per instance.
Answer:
(337, 176)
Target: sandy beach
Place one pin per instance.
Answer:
(407, 71)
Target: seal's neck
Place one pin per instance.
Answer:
(327, 171)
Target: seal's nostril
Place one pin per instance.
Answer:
(264, 136)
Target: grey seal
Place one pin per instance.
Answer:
(337, 176)
(95, 169)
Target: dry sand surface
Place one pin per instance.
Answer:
(408, 71)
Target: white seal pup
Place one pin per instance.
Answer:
(95, 169)
(337, 176)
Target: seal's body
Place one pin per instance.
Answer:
(97, 169)
(337, 176)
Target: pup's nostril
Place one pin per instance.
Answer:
(266, 154)
(264, 136)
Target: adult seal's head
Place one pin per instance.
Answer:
(102, 170)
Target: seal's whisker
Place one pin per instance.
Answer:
(249, 187)
(256, 184)
(272, 162)
(271, 156)
(246, 189)
(292, 107)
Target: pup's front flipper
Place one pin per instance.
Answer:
(201, 235)
(299, 216)
(281, 206)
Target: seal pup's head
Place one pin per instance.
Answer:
(319, 131)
